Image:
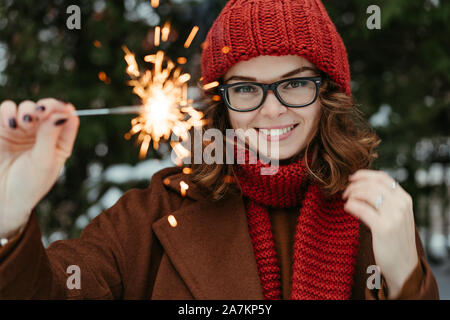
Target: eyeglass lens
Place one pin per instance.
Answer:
(293, 92)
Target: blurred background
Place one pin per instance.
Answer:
(400, 79)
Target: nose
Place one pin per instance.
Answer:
(272, 108)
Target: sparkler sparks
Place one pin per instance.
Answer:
(211, 85)
(103, 77)
(165, 31)
(165, 105)
(172, 221)
(157, 36)
(191, 37)
(155, 3)
(184, 186)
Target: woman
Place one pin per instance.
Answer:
(309, 230)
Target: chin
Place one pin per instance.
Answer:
(284, 156)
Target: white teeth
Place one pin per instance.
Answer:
(276, 132)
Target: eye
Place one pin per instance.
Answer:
(294, 84)
(244, 89)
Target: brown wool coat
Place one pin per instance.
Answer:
(131, 251)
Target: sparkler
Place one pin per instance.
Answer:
(163, 92)
(162, 89)
(165, 106)
(117, 110)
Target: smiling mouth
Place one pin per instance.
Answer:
(277, 132)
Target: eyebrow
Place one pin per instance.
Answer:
(291, 73)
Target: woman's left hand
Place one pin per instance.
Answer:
(387, 209)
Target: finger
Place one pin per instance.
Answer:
(8, 112)
(69, 132)
(394, 202)
(46, 107)
(370, 197)
(373, 175)
(46, 139)
(363, 211)
(369, 191)
(368, 186)
(385, 180)
(26, 118)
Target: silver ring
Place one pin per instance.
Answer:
(379, 201)
(394, 185)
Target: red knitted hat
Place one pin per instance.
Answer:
(249, 28)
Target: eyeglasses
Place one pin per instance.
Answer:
(292, 93)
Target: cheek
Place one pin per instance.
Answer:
(309, 116)
(240, 120)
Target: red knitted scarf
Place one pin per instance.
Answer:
(326, 239)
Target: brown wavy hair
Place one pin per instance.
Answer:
(343, 143)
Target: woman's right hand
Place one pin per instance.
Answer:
(35, 141)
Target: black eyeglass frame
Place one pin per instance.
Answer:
(270, 86)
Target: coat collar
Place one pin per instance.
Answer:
(210, 247)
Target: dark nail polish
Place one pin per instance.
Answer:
(40, 108)
(27, 118)
(60, 122)
(12, 123)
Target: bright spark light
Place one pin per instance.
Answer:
(191, 37)
(183, 187)
(163, 91)
(155, 3)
